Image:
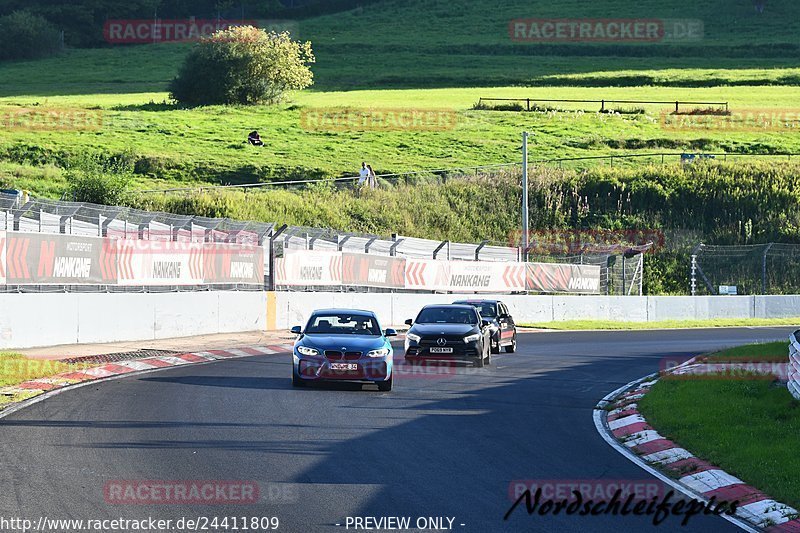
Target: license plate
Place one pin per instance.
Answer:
(344, 366)
(441, 350)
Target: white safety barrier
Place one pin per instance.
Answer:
(794, 365)
(46, 319)
(293, 308)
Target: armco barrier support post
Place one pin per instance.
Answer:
(439, 248)
(395, 244)
(478, 250)
(271, 259)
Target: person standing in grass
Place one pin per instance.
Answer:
(363, 174)
(372, 180)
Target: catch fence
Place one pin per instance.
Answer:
(63, 246)
(535, 101)
(760, 269)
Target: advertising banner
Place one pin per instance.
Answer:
(2, 257)
(563, 278)
(309, 268)
(427, 274)
(364, 270)
(143, 262)
(485, 276)
(41, 259)
(233, 263)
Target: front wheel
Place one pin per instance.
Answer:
(386, 386)
(296, 380)
(511, 348)
(496, 344)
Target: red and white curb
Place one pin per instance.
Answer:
(624, 428)
(48, 386)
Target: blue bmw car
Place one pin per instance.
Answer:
(343, 345)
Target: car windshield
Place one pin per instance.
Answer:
(447, 315)
(486, 309)
(342, 324)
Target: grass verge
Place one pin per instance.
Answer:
(748, 427)
(762, 352)
(16, 368)
(666, 324)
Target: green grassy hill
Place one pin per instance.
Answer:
(445, 55)
(420, 54)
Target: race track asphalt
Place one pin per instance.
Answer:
(443, 444)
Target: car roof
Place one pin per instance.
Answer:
(454, 306)
(343, 311)
(471, 302)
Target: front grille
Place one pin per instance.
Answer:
(451, 340)
(336, 355)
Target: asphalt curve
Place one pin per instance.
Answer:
(443, 444)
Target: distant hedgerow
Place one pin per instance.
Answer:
(24, 35)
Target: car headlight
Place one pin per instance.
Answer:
(412, 337)
(382, 352)
(472, 338)
(305, 350)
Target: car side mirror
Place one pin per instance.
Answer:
(390, 332)
(485, 323)
(409, 322)
(297, 330)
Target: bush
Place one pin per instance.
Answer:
(243, 65)
(24, 35)
(98, 181)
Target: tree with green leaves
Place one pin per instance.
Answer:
(243, 65)
(24, 35)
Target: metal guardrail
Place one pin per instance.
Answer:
(794, 365)
(603, 103)
(20, 213)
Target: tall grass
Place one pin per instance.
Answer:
(712, 202)
(722, 203)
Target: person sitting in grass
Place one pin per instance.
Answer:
(255, 139)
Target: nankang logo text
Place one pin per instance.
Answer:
(462, 280)
(584, 284)
(72, 267)
(311, 273)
